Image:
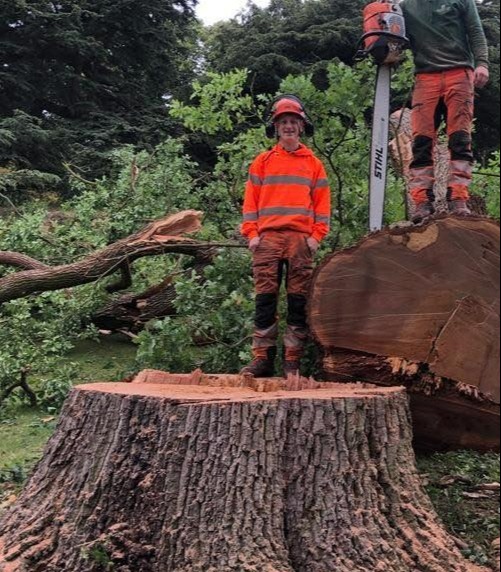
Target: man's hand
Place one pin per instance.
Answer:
(313, 244)
(254, 243)
(482, 77)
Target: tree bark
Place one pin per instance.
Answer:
(227, 474)
(428, 296)
(160, 237)
(132, 312)
(446, 414)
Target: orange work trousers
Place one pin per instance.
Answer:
(282, 253)
(440, 95)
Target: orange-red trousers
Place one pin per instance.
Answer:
(282, 253)
(448, 94)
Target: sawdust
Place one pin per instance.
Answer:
(401, 366)
(198, 386)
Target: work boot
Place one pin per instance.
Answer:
(460, 208)
(291, 367)
(422, 212)
(262, 366)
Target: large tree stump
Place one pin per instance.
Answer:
(227, 474)
(419, 306)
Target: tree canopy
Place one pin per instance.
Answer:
(79, 78)
(290, 37)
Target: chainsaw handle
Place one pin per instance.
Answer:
(362, 53)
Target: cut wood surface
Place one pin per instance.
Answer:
(447, 415)
(427, 294)
(198, 473)
(419, 307)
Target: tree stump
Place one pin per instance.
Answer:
(419, 306)
(226, 474)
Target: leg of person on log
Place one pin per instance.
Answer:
(452, 59)
(286, 215)
(280, 252)
(215, 476)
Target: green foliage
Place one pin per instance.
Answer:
(37, 332)
(476, 521)
(215, 314)
(34, 335)
(81, 78)
(99, 556)
(289, 37)
(220, 106)
(486, 184)
(488, 102)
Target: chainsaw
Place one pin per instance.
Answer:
(384, 40)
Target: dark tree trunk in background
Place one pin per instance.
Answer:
(419, 306)
(226, 474)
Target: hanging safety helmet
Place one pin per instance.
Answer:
(287, 104)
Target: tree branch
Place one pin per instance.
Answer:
(18, 260)
(160, 237)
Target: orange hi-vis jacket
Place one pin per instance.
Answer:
(287, 191)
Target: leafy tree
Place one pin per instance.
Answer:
(81, 78)
(293, 37)
(288, 37)
(37, 332)
(488, 103)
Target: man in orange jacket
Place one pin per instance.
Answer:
(286, 215)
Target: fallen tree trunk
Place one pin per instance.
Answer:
(162, 236)
(427, 298)
(227, 474)
(131, 312)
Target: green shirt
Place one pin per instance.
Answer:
(445, 34)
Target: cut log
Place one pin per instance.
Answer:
(205, 474)
(427, 297)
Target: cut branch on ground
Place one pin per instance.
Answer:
(160, 237)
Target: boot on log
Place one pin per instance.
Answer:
(419, 306)
(228, 474)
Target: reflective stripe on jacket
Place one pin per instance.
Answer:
(287, 191)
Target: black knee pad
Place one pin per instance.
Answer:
(266, 310)
(422, 151)
(460, 144)
(297, 310)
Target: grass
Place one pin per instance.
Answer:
(451, 479)
(22, 439)
(108, 360)
(24, 432)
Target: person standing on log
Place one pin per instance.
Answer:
(452, 59)
(286, 213)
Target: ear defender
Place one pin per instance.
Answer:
(287, 103)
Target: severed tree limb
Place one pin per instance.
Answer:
(125, 279)
(21, 383)
(18, 260)
(131, 312)
(161, 236)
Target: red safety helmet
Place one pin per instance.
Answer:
(288, 104)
